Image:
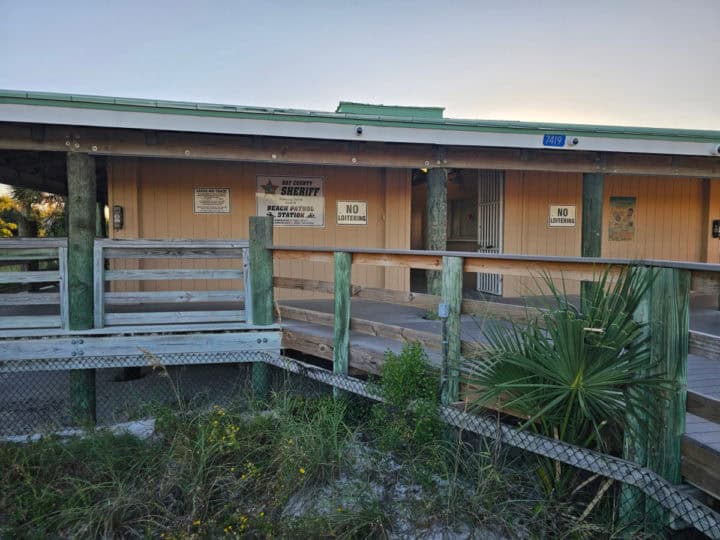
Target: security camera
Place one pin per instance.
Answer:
(573, 141)
(717, 149)
(358, 130)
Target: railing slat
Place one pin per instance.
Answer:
(28, 254)
(46, 276)
(173, 317)
(30, 321)
(171, 274)
(172, 297)
(173, 253)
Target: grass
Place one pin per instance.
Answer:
(295, 468)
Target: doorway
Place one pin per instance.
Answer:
(491, 190)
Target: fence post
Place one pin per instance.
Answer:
(656, 440)
(261, 292)
(81, 237)
(341, 310)
(452, 276)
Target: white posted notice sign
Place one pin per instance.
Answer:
(293, 201)
(352, 213)
(211, 200)
(562, 215)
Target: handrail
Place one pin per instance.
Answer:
(173, 243)
(589, 261)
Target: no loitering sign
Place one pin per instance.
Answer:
(562, 215)
(352, 213)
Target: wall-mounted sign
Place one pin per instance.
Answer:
(562, 215)
(352, 213)
(622, 219)
(550, 139)
(293, 201)
(211, 200)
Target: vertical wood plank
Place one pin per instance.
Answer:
(261, 285)
(81, 238)
(63, 286)
(437, 222)
(247, 285)
(341, 327)
(99, 285)
(452, 275)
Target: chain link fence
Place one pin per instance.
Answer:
(37, 396)
(636, 486)
(40, 401)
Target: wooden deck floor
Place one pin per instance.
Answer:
(701, 445)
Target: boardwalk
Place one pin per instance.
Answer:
(311, 336)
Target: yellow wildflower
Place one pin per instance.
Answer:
(302, 471)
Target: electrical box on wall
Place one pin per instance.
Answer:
(117, 217)
(716, 228)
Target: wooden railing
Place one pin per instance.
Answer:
(676, 280)
(168, 307)
(33, 273)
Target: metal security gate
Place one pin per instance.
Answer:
(490, 225)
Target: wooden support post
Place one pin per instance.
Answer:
(81, 238)
(436, 234)
(452, 274)
(261, 292)
(656, 440)
(341, 342)
(592, 215)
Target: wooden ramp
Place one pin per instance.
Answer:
(377, 327)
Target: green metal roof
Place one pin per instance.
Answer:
(352, 113)
(395, 111)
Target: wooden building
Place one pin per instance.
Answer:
(380, 176)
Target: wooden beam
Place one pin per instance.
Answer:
(657, 438)
(341, 312)
(437, 221)
(126, 142)
(81, 236)
(452, 277)
(706, 407)
(706, 345)
(261, 284)
(592, 216)
(699, 466)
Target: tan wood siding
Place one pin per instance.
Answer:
(163, 201)
(528, 196)
(670, 222)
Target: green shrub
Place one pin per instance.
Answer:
(410, 388)
(574, 373)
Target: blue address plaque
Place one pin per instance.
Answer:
(553, 140)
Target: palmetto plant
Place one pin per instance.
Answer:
(573, 374)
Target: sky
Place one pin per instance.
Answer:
(631, 62)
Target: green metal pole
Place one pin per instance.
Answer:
(261, 294)
(436, 237)
(341, 342)
(81, 238)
